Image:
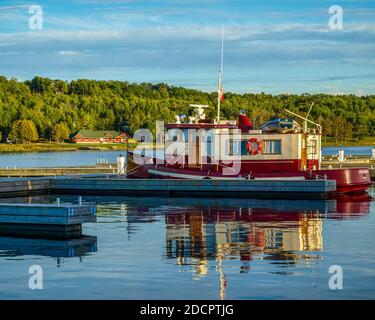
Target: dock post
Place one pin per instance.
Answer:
(341, 155)
(373, 154)
(121, 164)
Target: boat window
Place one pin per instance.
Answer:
(186, 134)
(175, 135)
(243, 147)
(234, 148)
(271, 147)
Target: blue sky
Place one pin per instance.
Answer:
(270, 46)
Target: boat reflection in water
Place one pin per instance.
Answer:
(273, 230)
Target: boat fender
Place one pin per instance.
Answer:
(251, 149)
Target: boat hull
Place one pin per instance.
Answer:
(348, 180)
(353, 180)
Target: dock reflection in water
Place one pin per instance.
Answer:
(217, 242)
(15, 246)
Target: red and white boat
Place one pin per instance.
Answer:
(292, 155)
(281, 149)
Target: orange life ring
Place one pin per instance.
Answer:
(250, 146)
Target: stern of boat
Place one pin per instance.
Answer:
(348, 180)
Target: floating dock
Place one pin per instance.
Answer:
(236, 188)
(118, 185)
(56, 221)
(11, 187)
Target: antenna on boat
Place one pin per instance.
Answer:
(308, 113)
(220, 93)
(305, 121)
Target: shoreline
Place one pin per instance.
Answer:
(364, 142)
(69, 147)
(63, 147)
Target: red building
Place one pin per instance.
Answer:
(92, 136)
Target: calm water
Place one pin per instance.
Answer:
(357, 151)
(89, 158)
(56, 159)
(156, 248)
(159, 248)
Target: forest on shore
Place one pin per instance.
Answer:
(43, 109)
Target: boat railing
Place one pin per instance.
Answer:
(133, 170)
(317, 176)
(216, 162)
(306, 121)
(176, 160)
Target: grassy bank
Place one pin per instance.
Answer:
(331, 142)
(52, 147)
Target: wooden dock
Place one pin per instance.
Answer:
(57, 221)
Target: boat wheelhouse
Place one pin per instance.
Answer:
(256, 150)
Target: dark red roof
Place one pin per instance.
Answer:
(199, 126)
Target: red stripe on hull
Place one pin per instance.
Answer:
(248, 166)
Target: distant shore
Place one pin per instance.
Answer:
(56, 147)
(61, 147)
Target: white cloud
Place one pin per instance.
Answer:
(164, 53)
(12, 8)
(69, 53)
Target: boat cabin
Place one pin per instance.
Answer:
(281, 144)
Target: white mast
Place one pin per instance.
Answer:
(220, 79)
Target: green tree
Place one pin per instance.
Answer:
(109, 105)
(23, 131)
(60, 132)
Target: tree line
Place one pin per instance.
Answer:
(46, 109)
